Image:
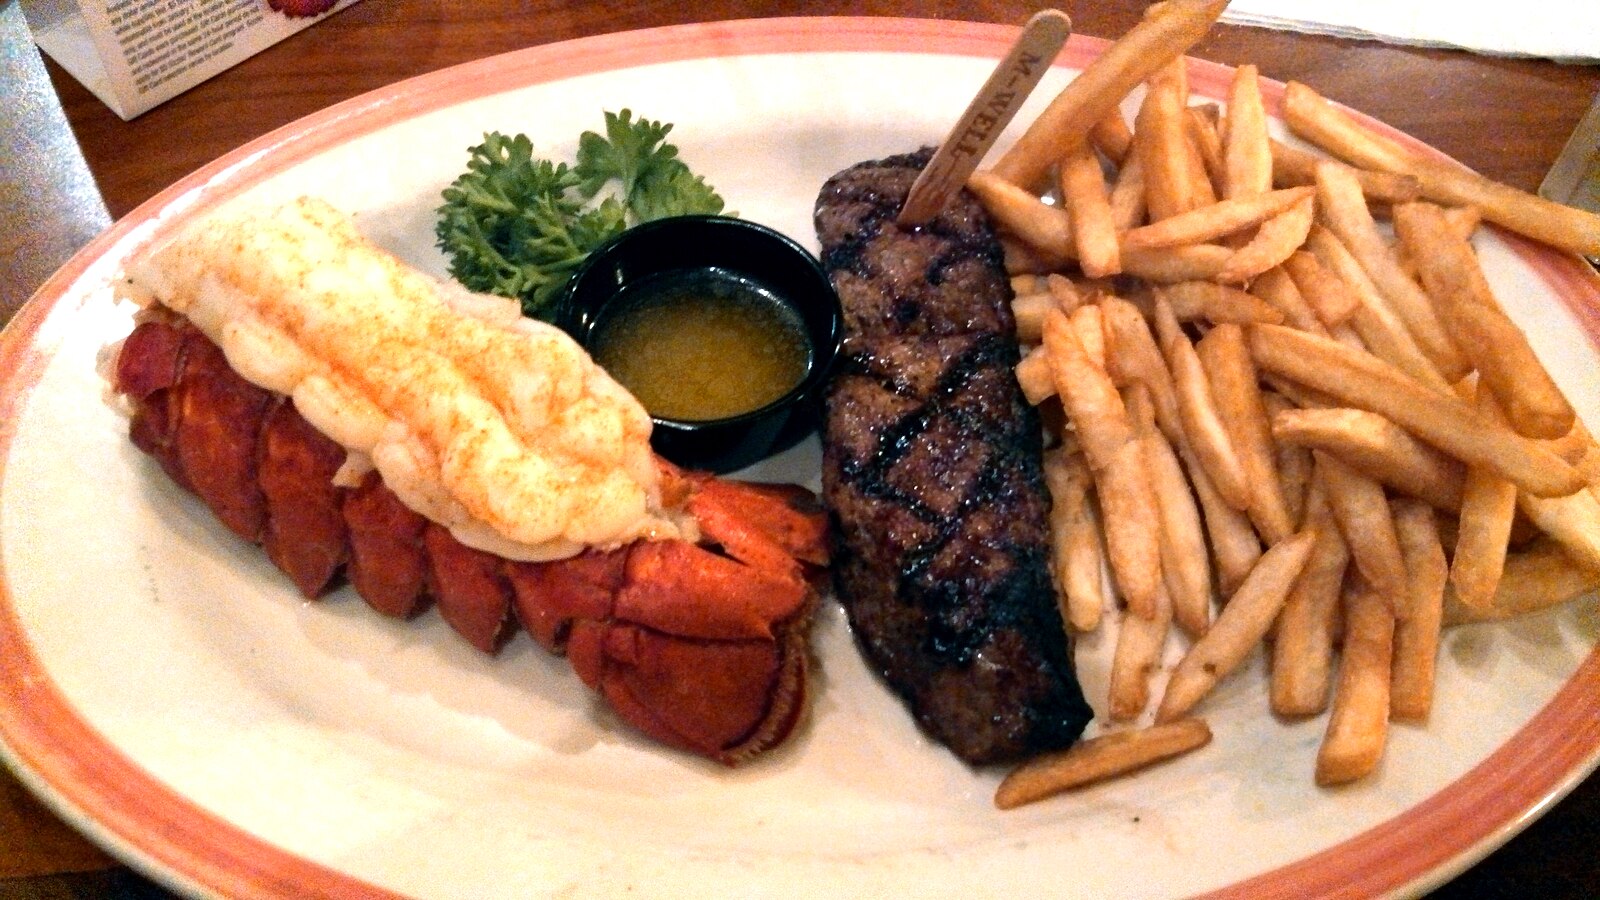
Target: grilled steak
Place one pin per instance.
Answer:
(932, 471)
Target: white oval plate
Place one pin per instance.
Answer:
(169, 692)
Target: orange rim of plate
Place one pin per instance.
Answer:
(95, 784)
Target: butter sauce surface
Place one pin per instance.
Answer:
(702, 345)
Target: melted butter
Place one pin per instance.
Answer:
(702, 346)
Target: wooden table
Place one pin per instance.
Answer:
(1507, 118)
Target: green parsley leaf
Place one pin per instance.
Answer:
(628, 151)
(679, 192)
(518, 226)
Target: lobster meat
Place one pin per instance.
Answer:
(702, 645)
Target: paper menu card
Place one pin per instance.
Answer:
(135, 54)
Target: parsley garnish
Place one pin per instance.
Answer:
(518, 226)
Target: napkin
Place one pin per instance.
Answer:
(1562, 30)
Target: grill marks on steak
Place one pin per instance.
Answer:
(932, 471)
(933, 280)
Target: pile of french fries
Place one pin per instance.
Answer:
(1270, 421)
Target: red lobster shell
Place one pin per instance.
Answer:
(702, 646)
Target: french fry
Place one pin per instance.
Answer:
(1134, 357)
(1302, 646)
(1207, 223)
(1445, 421)
(1099, 758)
(1197, 408)
(1294, 462)
(1035, 377)
(1332, 299)
(1378, 449)
(1315, 119)
(1140, 643)
(1488, 508)
(1496, 347)
(1083, 192)
(1195, 262)
(1535, 579)
(1164, 34)
(1254, 373)
(1127, 501)
(1587, 458)
(1112, 137)
(1127, 199)
(1347, 335)
(1046, 228)
(1464, 220)
(1212, 302)
(1066, 294)
(1026, 284)
(1076, 554)
(1163, 148)
(1246, 149)
(1237, 391)
(1560, 226)
(1185, 561)
(1033, 370)
(1292, 167)
(1572, 521)
(1534, 406)
(1312, 117)
(1022, 258)
(1028, 311)
(1175, 71)
(1205, 155)
(1358, 726)
(1101, 420)
(1234, 544)
(1431, 240)
(1275, 240)
(1132, 526)
(1276, 288)
(1381, 329)
(1343, 209)
(1239, 628)
(1091, 329)
(1572, 446)
(1416, 634)
(1298, 395)
(1367, 523)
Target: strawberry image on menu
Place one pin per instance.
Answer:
(301, 8)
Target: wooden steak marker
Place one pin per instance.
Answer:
(988, 114)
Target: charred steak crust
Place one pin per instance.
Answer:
(932, 472)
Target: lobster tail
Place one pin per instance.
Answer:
(702, 646)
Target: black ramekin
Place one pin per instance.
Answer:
(773, 261)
